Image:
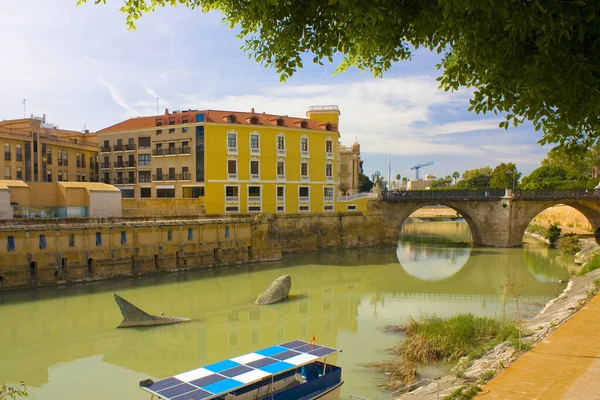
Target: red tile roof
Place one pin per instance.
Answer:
(219, 117)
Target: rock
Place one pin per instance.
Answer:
(133, 316)
(278, 290)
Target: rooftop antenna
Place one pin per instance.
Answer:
(157, 106)
(389, 172)
(24, 108)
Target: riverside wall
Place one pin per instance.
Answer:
(79, 250)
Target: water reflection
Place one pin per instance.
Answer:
(50, 336)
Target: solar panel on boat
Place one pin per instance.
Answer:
(216, 379)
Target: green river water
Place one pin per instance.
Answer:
(63, 343)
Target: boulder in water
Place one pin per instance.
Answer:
(278, 290)
(133, 316)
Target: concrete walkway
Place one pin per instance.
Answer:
(566, 365)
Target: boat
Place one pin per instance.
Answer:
(295, 370)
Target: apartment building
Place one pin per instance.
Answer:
(238, 162)
(349, 169)
(36, 151)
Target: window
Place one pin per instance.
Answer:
(19, 172)
(123, 237)
(185, 173)
(304, 169)
(7, 174)
(71, 240)
(184, 129)
(169, 235)
(280, 170)
(254, 121)
(304, 144)
(280, 122)
(146, 193)
(304, 208)
(329, 171)
(49, 176)
(304, 124)
(171, 130)
(231, 119)
(280, 193)
(77, 160)
(65, 158)
(231, 193)
(254, 193)
(42, 241)
(66, 176)
(98, 238)
(351, 207)
(106, 146)
(82, 177)
(165, 193)
(232, 209)
(328, 127)
(252, 209)
(59, 158)
(49, 156)
(254, 169)
(78, 177)
(144, 142)
(227, 232)
(232, 169)
(6, 151)
(328, 193)
(172, 176)
(10, 243)
(159, 174)
(328, 207)
(190, 234)
(280, 208)
(159, 122)
(281, 142)
(143, 159)
(127, 193)
(60, 178)
(232, 140)
(328, 146)
(254, 143)
(304, 191)
(19, 153)
(144, 176)
(159, 131)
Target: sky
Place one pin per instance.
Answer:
(82, 68)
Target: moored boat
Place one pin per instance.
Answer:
(295, 370)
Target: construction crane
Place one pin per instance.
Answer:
(418, 167)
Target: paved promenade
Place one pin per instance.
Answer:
(566, 365)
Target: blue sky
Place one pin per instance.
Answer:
(82, 67)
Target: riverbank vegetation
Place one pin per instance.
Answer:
(432, 339)
(594, 264)
(13, 391)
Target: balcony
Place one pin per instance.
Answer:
(254, 199)
(7, 156)
(305, 154)
(171, 151)
(158, 152)
(169, 177)
(255, 151)
(145, 178)
(304, 199)
(119, 147)
(103, 165)
(130, 147)
(186, 176)
(281, 177)
(105, 149)
(124, 164)
(158, 177)
(232, 199)
(304, 178)
(329, 155)
(124, 181)
(185, 150)
(281, 152)
(232, 150)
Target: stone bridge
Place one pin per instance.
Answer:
(496, 217)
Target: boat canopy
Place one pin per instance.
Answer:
(215, 380)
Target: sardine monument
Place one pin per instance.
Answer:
(278, 290)
(133, 316)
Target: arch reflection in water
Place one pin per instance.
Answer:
(433, 251)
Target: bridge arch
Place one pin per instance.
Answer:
(590, 209)
(406, 210)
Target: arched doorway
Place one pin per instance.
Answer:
(33, 270)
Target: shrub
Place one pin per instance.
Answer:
(553, 233)
(569, 244)
(591, 266)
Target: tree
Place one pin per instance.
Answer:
(548, 177)
(377, 179)
(365, 184)
(505, 176)
(398, 176)
(584, 164)
(455, 176)
(475, 179)
(529, 59)
(13, 392)
(404, 182)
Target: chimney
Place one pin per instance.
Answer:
(44, 118)
(252, 110)
(166, 111)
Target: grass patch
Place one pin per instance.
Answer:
(435, 339)
(569, 244)
(534, 228)
(463, 393)
(591, 266)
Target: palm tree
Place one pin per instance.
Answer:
(404, 182)
(398, 176)
(455, 175)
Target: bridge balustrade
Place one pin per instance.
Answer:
(426, 195)
(556, 194)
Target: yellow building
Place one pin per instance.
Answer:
(238, 162)
(35, 151)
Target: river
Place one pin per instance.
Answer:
(63, 343)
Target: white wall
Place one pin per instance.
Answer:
(6, 211)
(105, 204)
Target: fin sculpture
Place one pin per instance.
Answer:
(133, 316)
(278, 290)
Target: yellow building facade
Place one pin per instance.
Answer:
(238, 162)
(35, 151)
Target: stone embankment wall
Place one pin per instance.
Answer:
(43, 252)
(162, 207)
(567, 216)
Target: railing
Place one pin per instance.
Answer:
(19, 157)
(130, 146)
(323, 108)
(124, 164)
(362, 195)
(556, 194)
(254, 199)
(104, 165)
(303, 199)
(124, 181)
(66, 162)
(105, 149)
(170, 177)
(145, 178)
(119, 147)
(427, 195)
(393, 394)
(158, 152)
(6, 156)
(232, 199)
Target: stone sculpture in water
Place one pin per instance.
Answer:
(133, 316)
(278, 290)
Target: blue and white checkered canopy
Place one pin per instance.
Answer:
(226, 376)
